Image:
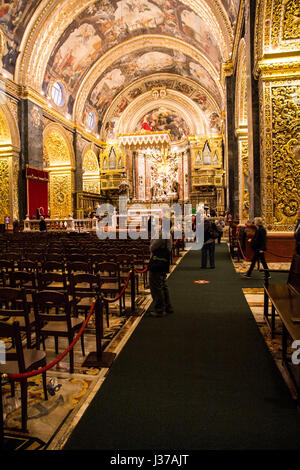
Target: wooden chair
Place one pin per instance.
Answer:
(27, 265)
(76, 257)
(84, 287)
(110, 281)
(52, 266)
(56, 324)
(14, 306)
(79, 267)
(20, 361)
(25, 280)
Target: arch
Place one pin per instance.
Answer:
(90, 171)
(191, 113)
(59, 160)
(183, 85)
(9, 160)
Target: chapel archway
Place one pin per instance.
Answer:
(59, 160)
(9, 164)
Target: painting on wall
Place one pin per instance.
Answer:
(107, 23)
(14, 17)
(163, 119)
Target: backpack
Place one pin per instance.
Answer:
(160, 260)
(213, 231)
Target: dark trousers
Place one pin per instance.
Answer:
(220, 236)
(257, 256)
(159, 292)
(210, 248)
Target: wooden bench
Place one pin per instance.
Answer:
(282, 292)
(285, 300)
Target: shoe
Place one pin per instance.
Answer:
(157, 314)
(212, 267)
(169, 312)
(246, 275)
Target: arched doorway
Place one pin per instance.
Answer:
(90, 172)
(9, 164)
(59, 160)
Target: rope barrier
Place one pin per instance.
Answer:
(267, 252)
(59, 358)
(141, 272)
(243, 254)
(122, 291)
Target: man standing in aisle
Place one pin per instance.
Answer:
(159, 266)
(259, 245)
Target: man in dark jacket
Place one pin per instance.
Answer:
(259, 245)
(43, 226)
(210, 234)
(158, 268)
(297, 234)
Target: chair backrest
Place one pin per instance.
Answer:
(27, 265)
(47, 278)
(76, 257)
(53, 266)
(13, 332)
(84, 283)
(6, 265)
(108, 269)
(44, 301)
(81, 266)
(14, 301)
(294, 274)
(22, 279)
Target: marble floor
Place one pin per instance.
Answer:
(255, 299)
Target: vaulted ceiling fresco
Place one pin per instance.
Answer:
(141, 64)
(94, 29)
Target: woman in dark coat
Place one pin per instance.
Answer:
(259, 245)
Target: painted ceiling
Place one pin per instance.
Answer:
(103, 25)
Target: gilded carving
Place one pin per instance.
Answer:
(244, 181)
(91, 187)
(61, 203)
(280, 165)
(56, 151)
(90, 162)
(291, 20)
(4, 189)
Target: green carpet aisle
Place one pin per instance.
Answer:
(201, 378)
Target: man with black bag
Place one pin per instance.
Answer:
(210, 234)
(159, 266)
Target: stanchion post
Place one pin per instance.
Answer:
(99, 358)
(132, 285)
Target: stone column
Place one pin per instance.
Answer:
(253, 114)
(232, 150)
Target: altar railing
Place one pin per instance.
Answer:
(62, 225)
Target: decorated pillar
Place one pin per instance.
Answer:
(278, 69)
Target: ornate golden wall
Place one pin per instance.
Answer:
(59, 161)
(9, 164)
(278, 66)
(91, 173)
